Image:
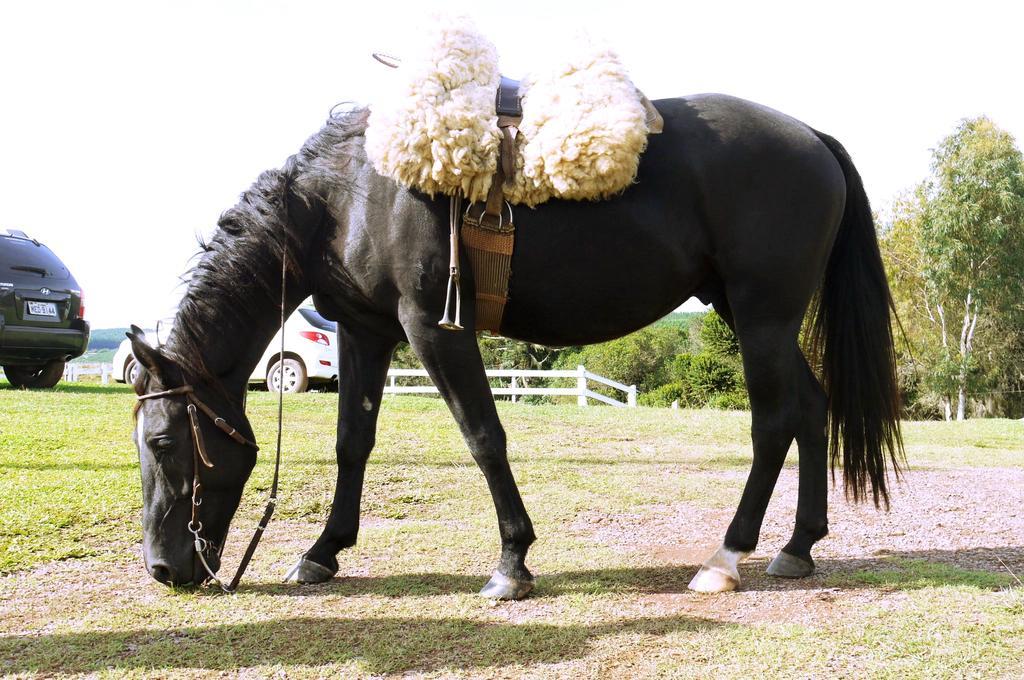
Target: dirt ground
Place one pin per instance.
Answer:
(967, 518)
(970, 519)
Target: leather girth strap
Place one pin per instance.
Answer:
(487, 235)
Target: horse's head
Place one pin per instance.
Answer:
(183, 438)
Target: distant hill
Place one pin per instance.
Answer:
(95, 356)
(106, 338)
(678, 319)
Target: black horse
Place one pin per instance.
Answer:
(747, 209)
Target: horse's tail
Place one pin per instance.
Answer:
(852, 340)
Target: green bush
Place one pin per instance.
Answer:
(665, 395)
(640, 358)
(709, 375)
(679, 367)
(736, 400)
(404, 357)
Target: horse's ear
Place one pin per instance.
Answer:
(155, 362)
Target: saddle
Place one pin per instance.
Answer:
(457, 127)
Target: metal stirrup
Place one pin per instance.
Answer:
(455, 212)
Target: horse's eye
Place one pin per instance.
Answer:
(161, 444)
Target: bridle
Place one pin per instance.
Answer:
(195, 526)
(199, 456)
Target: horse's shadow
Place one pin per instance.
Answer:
(378, 644)
(905, 570)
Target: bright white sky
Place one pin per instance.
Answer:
(127, 127)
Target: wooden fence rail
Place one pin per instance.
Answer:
(518, 384)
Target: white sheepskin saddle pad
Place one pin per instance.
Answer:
(583, 129)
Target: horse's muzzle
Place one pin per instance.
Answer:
(162, 573)
(166, 574)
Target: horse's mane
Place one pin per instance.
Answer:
(238, 272)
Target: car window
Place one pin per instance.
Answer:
(27, 257)
(317, 321)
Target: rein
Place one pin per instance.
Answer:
(195, 526)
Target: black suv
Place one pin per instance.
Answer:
(42, 315)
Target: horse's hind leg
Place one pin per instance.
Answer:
(794, 561)
(454, 364)
(770, 355)
(363, 362)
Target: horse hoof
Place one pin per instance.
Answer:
(501, 587)
(714, 580)
(308, 571)
(720, 573)
(790, 566)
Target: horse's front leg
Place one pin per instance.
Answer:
(363, 361)
(453, 361)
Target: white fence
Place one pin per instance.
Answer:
(519, 384)
(72, 372)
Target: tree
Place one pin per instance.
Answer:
(956, 247)
(500, 352)
(711, 377)
(917, 359)
(717, 338)
(496, 352)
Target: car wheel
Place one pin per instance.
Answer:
(131, 371)
(294, 380)
(43, 377)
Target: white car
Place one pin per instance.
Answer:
(310, 354)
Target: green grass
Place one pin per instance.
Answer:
(75, 599)
(68, 476)
(62, 451)
(912, 574)
(989, 442)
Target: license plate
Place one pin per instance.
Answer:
(42, 308)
